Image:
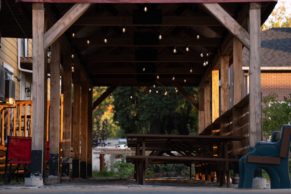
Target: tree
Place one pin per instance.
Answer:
(275, 113)
(154, 110)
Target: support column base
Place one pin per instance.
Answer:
(83, 169)
(75, 168)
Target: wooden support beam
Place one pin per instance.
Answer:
(76, 127)
(215, 94)
(38, 90)
(190, 97)
(90, 130)
(64, 23)
(207, 101)
(54, 110)
(84, 129)
(231, 24)
(201, 124)
(224, 64)
(255, 74)
(67, 132)
(103, 96)
(237, 70)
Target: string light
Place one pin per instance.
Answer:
(105, 40)
(72, 56)
(130, 97)
(160, 37)
(176, 90)
(154, 86)
(201, 55)
(207, 54)
(191, 70)
(90, 89)
(123, 30)
(145, 9)
(73, 35)
(158, 77)
(88, 41)
(150, 91)
(73, 68)
(166, 93)
(185, 80)
(187, 49)
(143, 69)
(157, 91)
(174, 50)
(197, 36)
(173, 78)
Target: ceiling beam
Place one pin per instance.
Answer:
(231, 24)
(103, 96)
(64, 23)
(127, 21)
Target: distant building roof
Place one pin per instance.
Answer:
(276, 48)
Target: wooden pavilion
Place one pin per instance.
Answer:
(138, 43)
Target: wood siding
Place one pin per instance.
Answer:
(8, 55)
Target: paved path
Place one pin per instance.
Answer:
(130, 189)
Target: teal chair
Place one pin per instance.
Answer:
(270, 156)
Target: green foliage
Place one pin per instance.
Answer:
(167, 170)
(139, 111)
(123, 170)
(103, 174)
(104, 125)
(275, 113)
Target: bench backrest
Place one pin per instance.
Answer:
(285, 140)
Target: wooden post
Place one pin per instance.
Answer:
(90, 130)
(67, 133)
(38, 94)
(84, 130)
(76, 126)
(207, 101)
(201, 108)
(215, 94)
(255, 74)
(224, 63)
(54, 111)
(237, 70)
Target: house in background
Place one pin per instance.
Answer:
(16, 68)
(276, 62)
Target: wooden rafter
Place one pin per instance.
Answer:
(231, 24)
(190, 97)
(64, 23)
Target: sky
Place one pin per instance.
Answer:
(286, 4)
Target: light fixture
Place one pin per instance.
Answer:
(160, 37)
(143, 69)
(73, 35)
(145, 9)
(88, 41)
(73, 68)
(201, 55)
(72, 56)
(207, 54)
(191, 70)
(166, 93)
(158, 77)
(130, 97)
(197, 36)
(176, 90)
(105, 40)
(150, 91)
(123, 30)
(90, 89)
(157, 91)
(185, 80)
(173, 78)
(187, 49)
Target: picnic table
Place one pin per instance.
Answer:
(188, 149)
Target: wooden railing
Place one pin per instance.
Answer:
(234, 122)
(16, 120)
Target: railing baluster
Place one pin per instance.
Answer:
(19, 120)
(8, 122)
(25, 120)
(14, 120)
(2, 128)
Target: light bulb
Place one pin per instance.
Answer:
(88, 41)
(160, 37)
(105, 40)
(145, 9)
(187, 49)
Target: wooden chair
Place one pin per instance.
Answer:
(270, 156)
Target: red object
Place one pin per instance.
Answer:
(19, 150)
